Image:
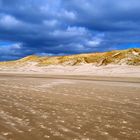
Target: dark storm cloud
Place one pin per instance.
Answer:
(59, 27)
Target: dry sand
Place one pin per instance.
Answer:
(85, 69)
(40, 107)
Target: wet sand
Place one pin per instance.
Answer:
(40, 107)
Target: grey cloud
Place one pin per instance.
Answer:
(67, 27)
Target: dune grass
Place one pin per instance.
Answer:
(129, 57)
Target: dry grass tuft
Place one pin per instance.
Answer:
(129, 56)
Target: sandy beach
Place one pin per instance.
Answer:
(69, 70)
(85, 69)
(69, 107)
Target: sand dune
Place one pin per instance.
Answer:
(114, 63)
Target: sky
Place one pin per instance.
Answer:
(65, 27)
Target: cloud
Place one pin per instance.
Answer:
(10, 49)
(62, 27)
(8, 22)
